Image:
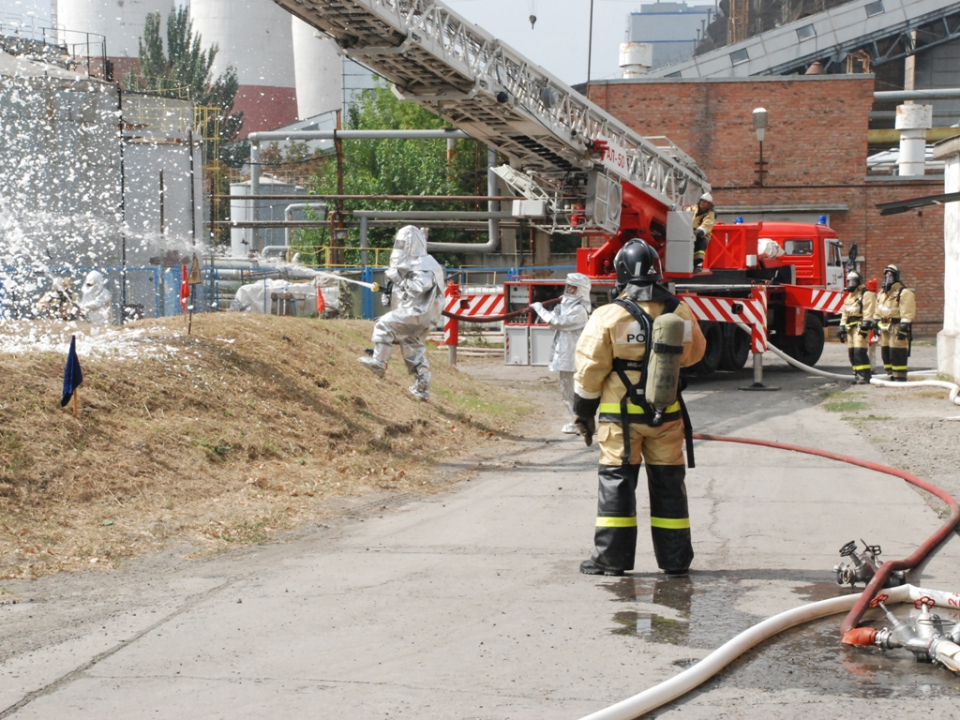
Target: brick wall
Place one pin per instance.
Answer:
(815, 149)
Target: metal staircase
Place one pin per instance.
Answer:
(573, 153)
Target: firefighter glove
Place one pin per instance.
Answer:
(587, 427)
(700, 234)
(842, 335)
(903, 331)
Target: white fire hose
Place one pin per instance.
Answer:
(953, 388)
(671, 689)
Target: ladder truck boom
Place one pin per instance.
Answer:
(581, 162)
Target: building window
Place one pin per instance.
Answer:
(874, 8)
(807, 31)
(739, 56)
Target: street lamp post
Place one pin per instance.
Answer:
(760, 127)
(589, 45)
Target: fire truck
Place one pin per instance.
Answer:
(577, 169)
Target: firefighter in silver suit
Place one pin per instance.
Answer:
(896, 309)
(568, 319)
(857, 319)
(612, 360)
(417, 301)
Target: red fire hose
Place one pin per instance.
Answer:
(884, 571)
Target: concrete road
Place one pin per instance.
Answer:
(469, 606)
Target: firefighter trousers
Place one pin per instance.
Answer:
(615, 536)
(858, 348)
(894, 352)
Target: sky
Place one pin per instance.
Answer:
(558, 42)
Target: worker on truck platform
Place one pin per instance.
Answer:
(857, 319)
(614, 354)
(704, 218)
(896, 309)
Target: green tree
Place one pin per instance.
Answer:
(184, 71)
(401, 167)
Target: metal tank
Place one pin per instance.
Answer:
(254, 37)
(318, 69)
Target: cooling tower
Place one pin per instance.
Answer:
(121, 23)
(254, 37)
(319, 71)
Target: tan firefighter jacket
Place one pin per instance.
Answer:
(897, 303)
(703, 220)
(612, 332)
(859, 306)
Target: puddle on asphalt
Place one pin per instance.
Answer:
(702, 612)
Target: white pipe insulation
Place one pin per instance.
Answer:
(638, 705)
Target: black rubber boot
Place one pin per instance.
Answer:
(670, 518)
(589, 567)
(615, 538)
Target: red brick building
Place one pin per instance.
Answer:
(815, 153)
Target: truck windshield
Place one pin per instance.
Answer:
(798, 247)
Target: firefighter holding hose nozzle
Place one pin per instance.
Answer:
(896, 309)
(857, 319)
(628, 367)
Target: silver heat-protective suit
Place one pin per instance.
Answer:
(568, 319)
(417, 304)
(95, 299)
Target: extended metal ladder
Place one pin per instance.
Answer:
(573, 154)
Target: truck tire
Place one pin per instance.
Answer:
(735, 349)
(808, 347)
(710, 362)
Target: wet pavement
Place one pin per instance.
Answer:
(469, 605)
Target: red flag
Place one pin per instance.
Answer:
(184, 291)
(321, 305)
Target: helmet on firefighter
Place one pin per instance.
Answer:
(706, 197)
(637, 264)
(854, 280)
(891, 275)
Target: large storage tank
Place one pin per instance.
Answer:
(254, 37)
(318, 68)
(121, 23)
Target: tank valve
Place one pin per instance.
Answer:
(861, 567)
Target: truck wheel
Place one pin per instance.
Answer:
(808, 348)
(735, 349)
(710, 362)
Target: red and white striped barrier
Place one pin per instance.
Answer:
(826, 301)
(470, 301)
(752, 312)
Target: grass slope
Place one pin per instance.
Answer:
(248, 425)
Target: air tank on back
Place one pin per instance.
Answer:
(79, 23)
(319, 71)
(254, 37)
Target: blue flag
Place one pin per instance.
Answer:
(72, 374)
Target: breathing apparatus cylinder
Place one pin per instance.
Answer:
(663, 368)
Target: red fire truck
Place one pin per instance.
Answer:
(577, 169)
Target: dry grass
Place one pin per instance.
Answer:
(249, 425)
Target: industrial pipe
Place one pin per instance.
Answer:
(493, 227)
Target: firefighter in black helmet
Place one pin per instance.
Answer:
(612, 358)
(896, 309)
(858, 318)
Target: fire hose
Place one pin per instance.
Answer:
(853, 605)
